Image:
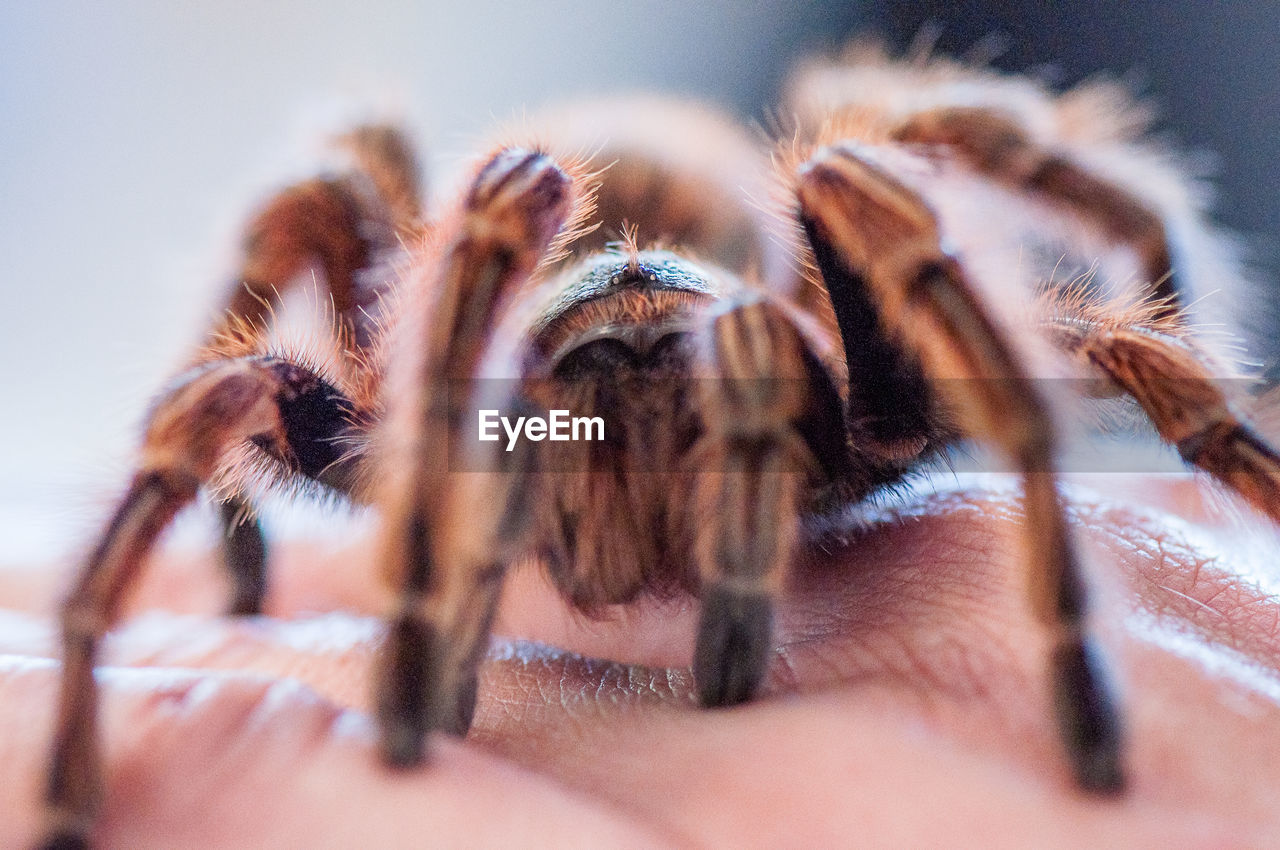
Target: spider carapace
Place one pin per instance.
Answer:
(749, 376)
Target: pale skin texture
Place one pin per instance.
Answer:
(907, 706)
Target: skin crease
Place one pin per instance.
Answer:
(907, 704)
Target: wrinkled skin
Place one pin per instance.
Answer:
(908, 704)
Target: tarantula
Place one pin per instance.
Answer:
(746, 385)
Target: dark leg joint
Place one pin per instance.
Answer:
(317, 418)
(734, 639)
(889, 398)
(418, 543)
(1192, 448)
(1087, 717)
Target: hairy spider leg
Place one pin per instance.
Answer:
(445, 535)
(348, 226)
(753, 463)
(1178, 394)
(283, 408)
(996, 145)
(888, 240)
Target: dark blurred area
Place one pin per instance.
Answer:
(1212, 70)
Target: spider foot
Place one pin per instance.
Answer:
(523, 195)
(244, 556)
(458, 721)
(408, 683)
(1087, 716)
(732, 652)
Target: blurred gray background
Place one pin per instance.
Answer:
(134, 134)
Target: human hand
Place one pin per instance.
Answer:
(907, 704)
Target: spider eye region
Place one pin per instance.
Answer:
(611, 273)
(623, 310)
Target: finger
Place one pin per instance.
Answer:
(270, 757)
(916, 618)
(307, 578)
(928, 599)
(238, 761)
(330, 653)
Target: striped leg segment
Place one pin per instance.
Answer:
(1190, 411)
(748, 498)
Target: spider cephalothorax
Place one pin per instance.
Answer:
(742, 388)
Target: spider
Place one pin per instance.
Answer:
(747, 386)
